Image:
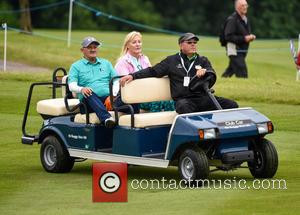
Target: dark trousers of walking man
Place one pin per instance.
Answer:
(237, 65)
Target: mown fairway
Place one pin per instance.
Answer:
(25, 188)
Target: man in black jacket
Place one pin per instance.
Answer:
(238, 36)
(180, 68)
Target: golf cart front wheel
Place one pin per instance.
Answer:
(193, 165)
(265, 160)
(54, 157)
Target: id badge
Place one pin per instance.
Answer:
(186, 81)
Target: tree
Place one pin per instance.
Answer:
(269, 18)
(25, 16)
(10, 19)
(198, 16)
(275, 19)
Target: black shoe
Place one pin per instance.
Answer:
(225, 76)
(110, 122)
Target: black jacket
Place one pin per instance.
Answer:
(172, 67)
(235, 31)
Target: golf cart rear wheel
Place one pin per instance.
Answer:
(265, 160)
(54, 157)
(193, 165)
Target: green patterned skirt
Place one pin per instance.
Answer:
(158, 106)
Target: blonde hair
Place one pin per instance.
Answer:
(129, 37)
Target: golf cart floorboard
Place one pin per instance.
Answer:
(156, 155)
(108, 150)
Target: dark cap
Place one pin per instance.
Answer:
(187, 36)
(88, 40)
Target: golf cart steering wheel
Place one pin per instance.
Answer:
(202, 83)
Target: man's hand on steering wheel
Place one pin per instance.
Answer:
(203, 82)
(200, 71)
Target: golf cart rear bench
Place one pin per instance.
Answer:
(53, 107)
(144, 90)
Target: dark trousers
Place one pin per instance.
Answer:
(202, 103)
(118, 103)
(96, 104)
(237, 65)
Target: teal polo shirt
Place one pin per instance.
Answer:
(94, 75)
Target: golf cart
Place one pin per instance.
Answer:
(197, 143)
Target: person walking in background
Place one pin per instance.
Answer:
(132, 60)
(238, 36)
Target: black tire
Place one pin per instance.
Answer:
(265, 162)
(54, 157)
(193, 165)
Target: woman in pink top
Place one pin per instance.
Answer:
(132, 60)
(131, 57)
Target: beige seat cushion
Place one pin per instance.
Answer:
(146, 90)
(55, 107)
(143, 120)
(81, 118)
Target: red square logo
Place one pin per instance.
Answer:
(110, 182)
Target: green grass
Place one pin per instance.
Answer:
(25, 188)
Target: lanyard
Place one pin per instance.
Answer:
(182, 62)
(136, 64)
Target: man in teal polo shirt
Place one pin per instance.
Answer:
(89, 77)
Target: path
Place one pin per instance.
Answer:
(20, 67)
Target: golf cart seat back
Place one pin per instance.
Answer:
(147, 90)
(65, 89)
(56, 106)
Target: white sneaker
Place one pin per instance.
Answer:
(110, 122)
